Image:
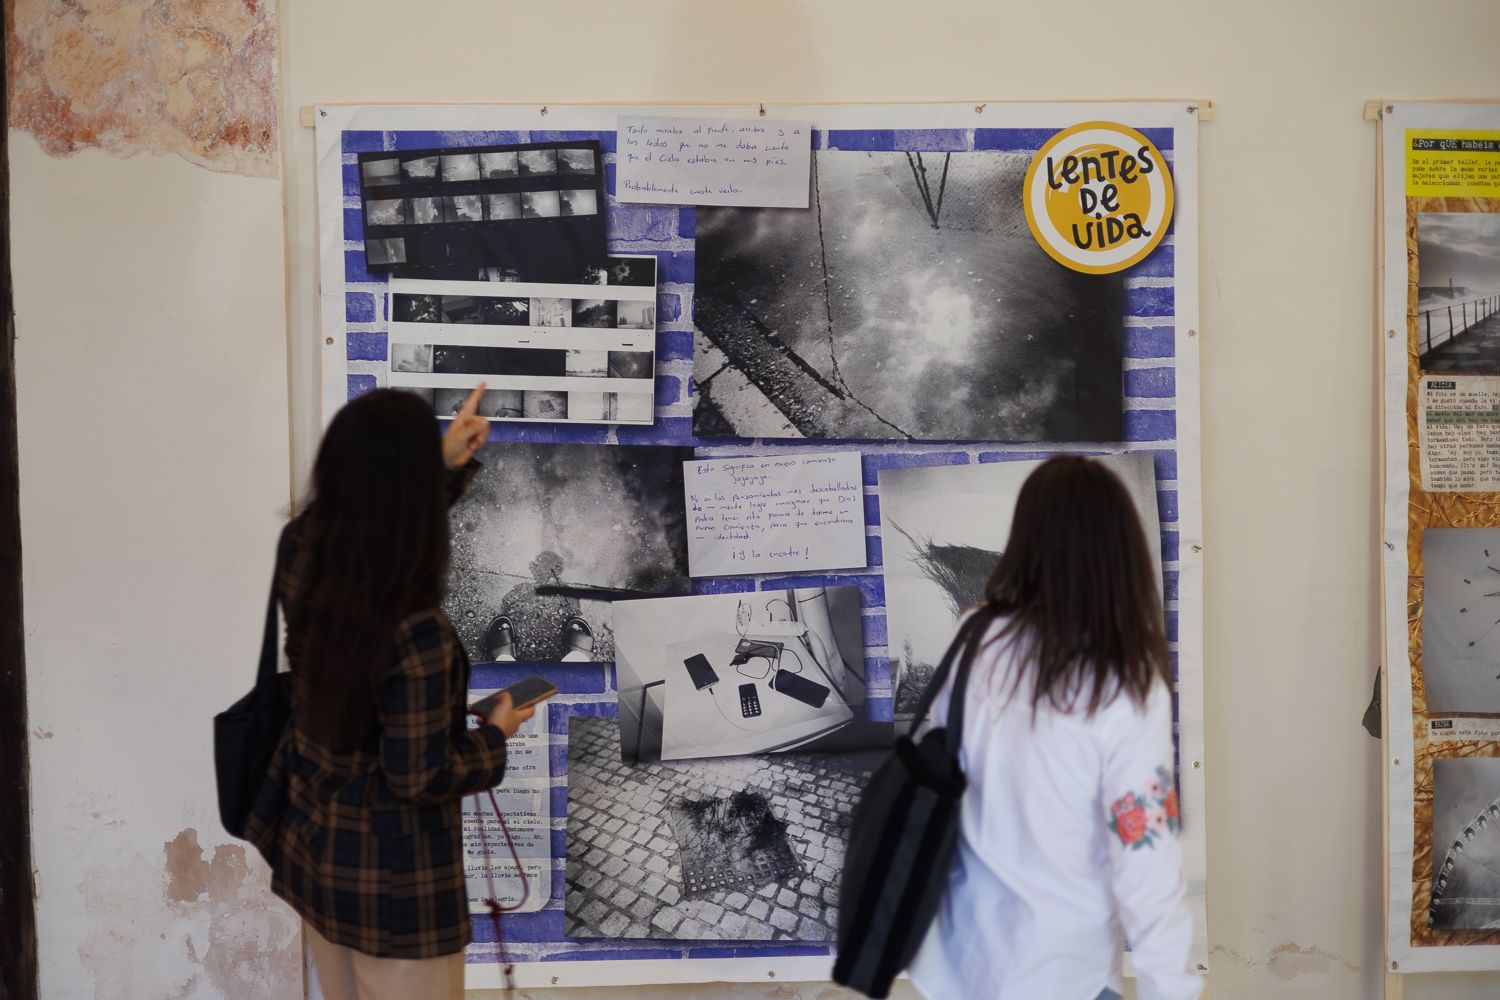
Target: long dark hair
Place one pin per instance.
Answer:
(376, 540)
(1079, 589)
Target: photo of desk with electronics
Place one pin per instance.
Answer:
(732, 674)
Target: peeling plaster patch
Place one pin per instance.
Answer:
(1288, 961)
(198, 926)
(192, 77)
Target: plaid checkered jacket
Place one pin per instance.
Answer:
(367, 845)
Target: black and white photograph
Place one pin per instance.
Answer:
(589, 406)
(1461, 620)
(538, 162)
(581, 202)
(575, 161)
(461, 309)
(502, 206)
(499, 403)
(426, 211)
(463, 208)
(631, 407)
(721, 675)
(407, 308)
(523, 362)
(632, 364)
(910, 302)
(594, 313)
(459, 167)
(729, 849)
(544, 404)
(381, 173)
(477, 213)
(414, 358)
(505, 312)
(385, 212)
(443, 334)
(942, 531)
(551, 312)
(540, 205)
(1465, 844)
(421, 168)
(593, 364)
(499, 165)
(527, 556)
(635, 315)
(638, 271)
(1458, 295)
(381, 252)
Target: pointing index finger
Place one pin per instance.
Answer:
(471, 405)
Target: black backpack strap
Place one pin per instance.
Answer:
(979, 624)
(266, 673)
(960, 642)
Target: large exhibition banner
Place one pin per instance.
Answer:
(748, 462)
(1440, 262)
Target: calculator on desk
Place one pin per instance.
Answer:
(749, 701)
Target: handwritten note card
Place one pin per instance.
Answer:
(771, 515)
(762, 162)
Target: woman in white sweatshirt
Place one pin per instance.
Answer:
(1069, 828)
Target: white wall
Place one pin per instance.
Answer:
(152, 388)
(151, 373)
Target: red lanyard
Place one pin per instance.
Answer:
(493, 900)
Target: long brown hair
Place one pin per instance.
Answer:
(1079, 589)
(376, 538)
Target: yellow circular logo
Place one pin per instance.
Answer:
(1098, 197)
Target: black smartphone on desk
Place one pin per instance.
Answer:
(806, 691)
(701, 671)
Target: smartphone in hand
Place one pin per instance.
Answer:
(523, 694)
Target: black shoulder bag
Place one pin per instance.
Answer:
(903, 834)
(247, 732)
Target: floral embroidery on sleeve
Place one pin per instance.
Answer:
(1138, 820)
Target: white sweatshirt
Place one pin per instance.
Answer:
(1068, 844)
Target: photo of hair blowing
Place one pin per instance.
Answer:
(360, 814)
(1068, 833)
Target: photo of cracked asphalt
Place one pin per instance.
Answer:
(909, 302)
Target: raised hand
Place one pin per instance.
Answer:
(467, 431)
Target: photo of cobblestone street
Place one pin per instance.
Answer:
(724, 849)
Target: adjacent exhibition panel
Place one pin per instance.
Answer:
(764, 385)
(1440, 232)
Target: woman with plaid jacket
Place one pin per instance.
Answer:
(360, 817)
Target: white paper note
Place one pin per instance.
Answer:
(761, 162)
(785, 513)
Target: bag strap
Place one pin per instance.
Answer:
(966, 641)
(266, 673)
(979, 623)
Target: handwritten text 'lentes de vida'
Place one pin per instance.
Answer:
(758, 162)
(770, 515)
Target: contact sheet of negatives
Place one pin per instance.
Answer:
(547, 352)
(704, 757)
